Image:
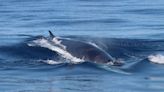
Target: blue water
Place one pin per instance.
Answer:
(130, 30)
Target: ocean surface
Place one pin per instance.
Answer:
(131, 31)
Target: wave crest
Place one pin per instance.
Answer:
(158, 58)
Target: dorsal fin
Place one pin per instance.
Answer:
(51, 34)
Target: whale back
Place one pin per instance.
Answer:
(86, 51)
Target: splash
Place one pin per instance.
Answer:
(56, 47)
(158, 58)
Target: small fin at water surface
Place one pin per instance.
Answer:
(51, 34)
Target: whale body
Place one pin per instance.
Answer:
(84, 50)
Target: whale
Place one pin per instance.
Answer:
(35, 48)
(82, 50)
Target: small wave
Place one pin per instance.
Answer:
(114, 69)
(158, 58)
(57, 48)
(51, 62)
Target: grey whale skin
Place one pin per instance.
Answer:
(87, 51)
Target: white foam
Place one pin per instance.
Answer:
(158, 58)
(46, 44)
(58, 42)
(52, 62)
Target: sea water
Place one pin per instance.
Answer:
(128, 30)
